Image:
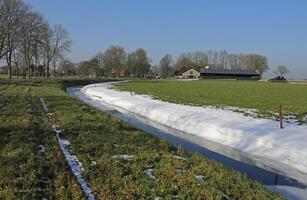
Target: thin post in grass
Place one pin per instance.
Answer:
(276, 179)
(280, 117)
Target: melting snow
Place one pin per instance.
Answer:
(65, 142)
(179, 171)
(179, 158)
(257, 137)
(93, 163)
(125, 157)
(200, 177)
(72, 160)
(149, 172)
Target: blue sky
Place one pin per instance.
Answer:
(275, 28)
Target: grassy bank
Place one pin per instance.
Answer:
(97, 139)
(24, 174)
(265, 97)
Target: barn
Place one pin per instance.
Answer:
(249, 74)
(191, 73)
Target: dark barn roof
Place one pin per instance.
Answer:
(229, 71)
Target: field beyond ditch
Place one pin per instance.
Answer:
(98, 140)
(266, 97)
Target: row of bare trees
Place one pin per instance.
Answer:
(28, 44)
(116, 62)
(214, 59)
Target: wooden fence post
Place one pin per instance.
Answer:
(280, 117)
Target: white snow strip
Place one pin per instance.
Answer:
(179, 158)
(76, 168)
(72, 160)
(44, 104)
(259, 138)
(65, 142)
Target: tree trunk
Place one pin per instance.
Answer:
(54, 73)
(9, 63)
(10, 71)
(29, 71)
(17, 71)
(47, 69)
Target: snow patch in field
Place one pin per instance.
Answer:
(119, 145)
(200, 177)
(179, 170)
(262, 139)
(149, 173)
(124, 157)
(93, 163)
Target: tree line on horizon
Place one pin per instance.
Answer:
(28, 44)
(116, 62)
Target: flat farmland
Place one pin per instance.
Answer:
(266, 97)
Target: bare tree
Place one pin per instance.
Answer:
(184, 62)
(32, 37)
(115, 60)
(2, 28)
(138, 63)
(155, 69)
(199, 59)
(257, 62)
(281, 70)
(101, 64)
(55, 42)
(66, 68)
(13, 13)
(166, 65)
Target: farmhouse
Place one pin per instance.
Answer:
(191, 73)
(230, 74)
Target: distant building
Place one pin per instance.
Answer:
(250, 74)
(191, 73)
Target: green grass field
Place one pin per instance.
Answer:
(96, 136)
(263, 96)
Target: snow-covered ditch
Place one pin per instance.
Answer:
(261, 139)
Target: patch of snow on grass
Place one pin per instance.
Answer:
(199, 177)
(124, 157)
(149, 173)
(179, 170)
(179, 158)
